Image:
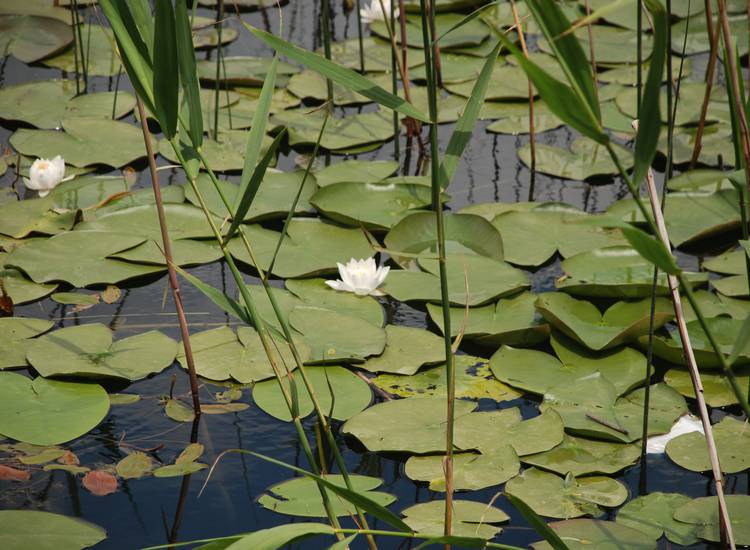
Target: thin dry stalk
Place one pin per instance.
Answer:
(591, 51)
(167, 247)
(710, 72)
(695, 376)
(532, 129)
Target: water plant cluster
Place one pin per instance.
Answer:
(542, 391)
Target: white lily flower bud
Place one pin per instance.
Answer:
(45, 175)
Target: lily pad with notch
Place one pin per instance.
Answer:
(16, 334)
(38, 529)
(732, 438)
(703, 513)
(406, 350)
(584, 159)
(101, 58)
(88, 351)
(356, 171)
(470, 518)
(652, 514)
(579, 534)
(717, 390)
(582, 456)
(225, 153)
(245, 70)
(31, 38)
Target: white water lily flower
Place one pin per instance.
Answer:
(362, 277)
(374, 12)
(45, 175)
(685, 424)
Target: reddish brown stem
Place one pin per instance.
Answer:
(713, 37)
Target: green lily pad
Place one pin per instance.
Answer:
(179, 470)
(88, 351)
(614, 272)
(464, 233)
(474, 380)
(84, 142)
(406, 349)
(15, 336)
(301, 496)
(30, 38)
(537, 372)
(135, 466)
(377, 54)
(87, 191)
(414, 425)
(273, 199)
(19, 288)
(621, 323)
(513, 118)
(226, 153)
(700, 179)
(471, 471)
(341, 133)
(315, 293)
(511, 321)
(713, 144)
(351, 394)
(486, 278)
(732, 263)
(79, 257)
(697, 38)
(373, 205)
(472, 33)
(19, 219)
(49, 412)
(693, 215)
(703, 513)
(532, 237)
(652, 515)
(356, 171)
(717, 391)
(245, 70)
(21, 529)
(627, 75)
(725, 330)
(732, 445)
(322, 330)
(220, 354)
(311, 247)
(470, 519)
(46, 103)
(691, 93)
(97, 41)
(583, 160)
(581, 534)
(312, 86)
(237, 108)
(584, 456)
(590, 407)
(205, 34)
(555, 497)
(23, 7)
(75, 298)
(507, 82)
(612, 45)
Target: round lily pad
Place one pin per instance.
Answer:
(511, 321)
(20, 289)
(87, 351)
(301, 496)
(732, 445)
(225, 153)
(406, 349)
(22, 218)
(583, 160)
(470, 519)
(652, 514)
(692, 216)
(703, 513)
(15, 335)
(414, 425)
(49, 412)
(31, 38)
(717, 390)
(351, 394)
(582, 534)
(513, 118)
(22, 529)
(552, 496)
(356, 171)
(245, 70)
(621, 323)
(97, 41)
(584, 456)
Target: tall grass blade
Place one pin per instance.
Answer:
(253, 185)
(188, 72)
(539, 525)
(257, 130)
(351, 80)
(233, 307)
(144, 20)
(465, 125)
(165, 73)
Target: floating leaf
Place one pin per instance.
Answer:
(537, 372)
(555, 497)
(15, 333)
(84, 142)
(732, 439)
(620, 324)
(21, 529)
(49, 412)
(473, 380)
(31, 38)
(301, 496)
(190, 453)
(123, 398)
(581, 456)
(244, 70)
(350, 394)
(179, 470)
(101, 58)
(511, 321)
(717, 390)
(579, 534)
(88, 351)
(703, 513)
(21, 218)
(356, 171)
(43, 456)
(100, 483)
(652, 515)
(13, 474)
(19, 288)
(178, 411)
(513, 118)
(406, 349)
(470, 519)
(134, 466)
(414, 425)
(583, 160)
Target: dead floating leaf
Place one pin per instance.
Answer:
(100, 483)
(69, 459)
(110, 295)
(12, 474)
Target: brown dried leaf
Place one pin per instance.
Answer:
(12, 474)
(100, 483)
(69, 459)
(110, 295)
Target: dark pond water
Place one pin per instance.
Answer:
(155, 511)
